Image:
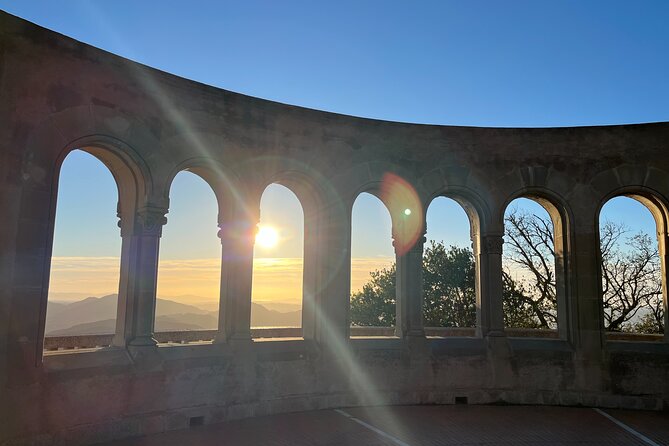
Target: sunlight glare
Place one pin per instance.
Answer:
(267, 237)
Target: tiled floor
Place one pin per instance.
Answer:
(428, 425)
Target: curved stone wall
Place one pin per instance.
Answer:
(57, 94)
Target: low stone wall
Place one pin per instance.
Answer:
(114, 393)
(54, 343)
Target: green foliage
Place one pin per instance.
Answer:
(449, 293)
(632, 285)
(374, 305)
(448, 287)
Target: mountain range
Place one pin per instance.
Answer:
(97, 315)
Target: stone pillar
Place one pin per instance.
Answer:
(313, 260)
(237, 240)
(332, 302)
(490, 315)
(409, 291)
(589, 315)
(662, 243)
(137, 297)
(124, 311)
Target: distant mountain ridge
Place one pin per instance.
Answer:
(97, 315)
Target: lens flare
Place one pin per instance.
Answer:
(405, 209)
(267, 237)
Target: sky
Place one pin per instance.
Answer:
(480, 63)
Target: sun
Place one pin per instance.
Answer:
(267, 237)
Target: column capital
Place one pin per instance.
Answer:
(492, 244)
(417, 247)
(237, 232)
(150, 220)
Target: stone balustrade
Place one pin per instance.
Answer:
(54, 343)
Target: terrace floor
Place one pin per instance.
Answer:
(429, 425)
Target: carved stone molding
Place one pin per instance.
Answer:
(237, 232)
(492, 244)
(416, 248)
(150, 221)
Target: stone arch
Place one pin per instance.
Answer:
(133, 180)
(478, 214)
(314, 194)
(656, 203)
(368, 177)
(475, 207)
(561, 218)
(190, 238)
(371, 230)
(225, 185)
(305, 281)
(463, 199)
(658, 206)
(374, 178)
(132, 176)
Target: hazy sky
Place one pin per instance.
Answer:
(483, 63)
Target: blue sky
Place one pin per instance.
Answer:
(482, 63)
(489, 63)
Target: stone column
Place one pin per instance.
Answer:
(662, 243)
(589, 339)
(124, 312)
(409, 291)
(237, 240)
(490, 317)
(137, 315)
(311, 292)
(332, 303)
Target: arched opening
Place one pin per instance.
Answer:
(278, 265)
(632, 230)
(189, 269)
(85, 260)
(449, 269)
(534, 269)
(372, 268)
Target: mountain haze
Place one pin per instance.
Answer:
(97, 315)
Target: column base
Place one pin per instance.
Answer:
(412, 333)
(490, 333)
(240, 341)
(417, 346)
(143, 341)
(415, 333)
(232, 340)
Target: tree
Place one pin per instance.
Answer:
(530, 300)
(448, 289)
(449, 296)
(631, 276)
(374, 305)
(631, 281)
(515, 300)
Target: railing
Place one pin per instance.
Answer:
(53, 343)
(636, 337)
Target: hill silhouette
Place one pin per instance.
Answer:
(96, 315)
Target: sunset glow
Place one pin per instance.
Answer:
(194, 280)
